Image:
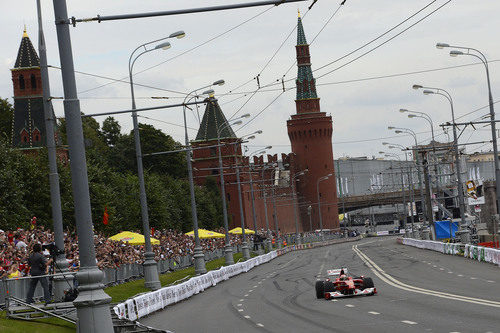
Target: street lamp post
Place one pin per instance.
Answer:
(92, 303)
(430, 216)
(264, 194)
(199, 257)
(319, 203)
(244, 245)
(55, 193)
(295, 208)
(423, 115)
(151, 279)
(402, 183)
(276, 226)
(258, 152)
(228, 251)
(464, 234)
(484, 60)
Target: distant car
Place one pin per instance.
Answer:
(340, 284)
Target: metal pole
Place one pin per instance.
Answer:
(295, 199)
(268, 240)
(276, 226)
(404, 195)
(419, 173)
(253, 199)
(151, 277)
(55, 193)
(92, 303)
(228, 251)
(412, 194)
(199, 257)
(244, 245)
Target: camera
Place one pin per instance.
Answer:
(52, 248)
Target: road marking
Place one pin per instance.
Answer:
(239, 304)
(441, 269)
(373, 313)
(455, 332)
(259, 282)
(349, 305)
(323, 264)
(247, 317)
(434, 266)
(250, 290)
(240, 310)
(260, 325)
(460, 275)
(255, 286)
(246, 295)
(398, 284)
(241, 300)
(490, 281)
(450, 272)
(409, 322)
(473, 278)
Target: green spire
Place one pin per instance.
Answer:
(301, 36)
(214, 120)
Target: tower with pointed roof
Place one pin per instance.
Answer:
(28, 123)
(310, 133)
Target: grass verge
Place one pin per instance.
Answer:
(52, 325)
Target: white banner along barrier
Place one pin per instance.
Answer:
(479, 253)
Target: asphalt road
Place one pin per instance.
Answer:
(418, 291)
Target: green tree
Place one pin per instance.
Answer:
(6, 114)
(111, 130)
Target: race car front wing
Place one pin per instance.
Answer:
(357, 292)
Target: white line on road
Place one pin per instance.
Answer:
(260, 325)
(239, 304)
(473, 278)
(490, 281)
(460, 275)
(409, 322)
(255, 286)
(247, 317)
(373, 312)
(450, 272)
(246, 295)
(241, 300)
(250, 290)
(441, 269)
(240, 310)
(349, 305)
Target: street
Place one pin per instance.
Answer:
(279, 296)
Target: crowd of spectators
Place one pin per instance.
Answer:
(15, 248)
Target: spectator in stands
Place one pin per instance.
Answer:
(38, 266)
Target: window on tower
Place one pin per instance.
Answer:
(24, 136)
(33, 82)
(36, 136)
(22, 85)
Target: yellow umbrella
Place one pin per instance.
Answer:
(202, 233)
(132, 238)
(238, 231)
(341, 217)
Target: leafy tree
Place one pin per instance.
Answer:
(111, 131)
(6, 114)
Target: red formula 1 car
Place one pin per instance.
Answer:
(340, 284)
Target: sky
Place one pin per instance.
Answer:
(363, 96)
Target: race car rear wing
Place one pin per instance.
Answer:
(336, 272)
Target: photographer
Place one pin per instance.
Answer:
(38, 266)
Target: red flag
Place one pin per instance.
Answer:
(152, 231)
(105, 216)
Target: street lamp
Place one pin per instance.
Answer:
(228, 251)
(244, 245)
(419, 172)
(199, 257)
(295, 199)
(446, 94)
(427, 117)
(319, 203)
(264, 194)
(151, 279)
(257, 152)
(484, 60)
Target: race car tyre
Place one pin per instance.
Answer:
(368, 283)
(329, 286)
(320, 289)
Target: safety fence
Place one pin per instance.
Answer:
(147, 303)
(479, 253)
